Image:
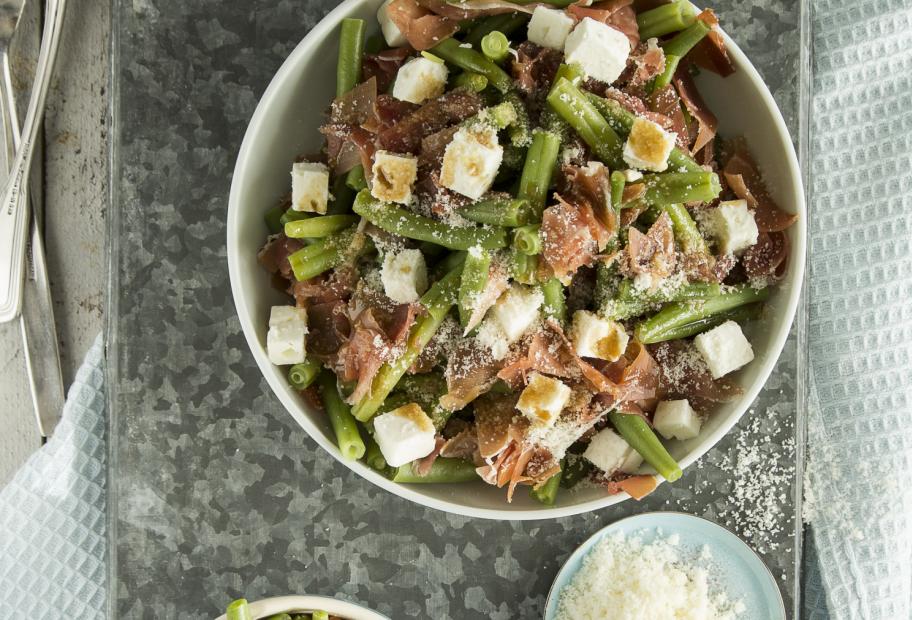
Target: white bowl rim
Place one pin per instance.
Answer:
(278, 604)
(796, 260)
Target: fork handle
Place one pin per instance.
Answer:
(13, 210)
(13, 233)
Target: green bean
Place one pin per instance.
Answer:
(293, 216)
(448, 263)
(426, 390)
(520, 130)
(495, 46)
(621, 120)
(340, 417)
(502, 115)
(413, 226)
(355, 179)
(580, 113)
(686, 232)
(281, 616)
(511, 212)
(437, 301)
(351, 49)
(273, 219)
(636, 432)
(665, 19)
(678, 314)
(525, 267)
(507, 23)
(319, 614)
(473, 282)
(676, 187)
(327, 253)
(238, 610)
(628, 303)
(300, 376)
(664, 79)
(738, 315)
(555, 306)
(471, 80)
(573, 73)
(317, 227)
(373, 456)
(469, 60)
(527, 239)
(442, 471)
(547, 493)
(536, 175)
(573, 470)
(618, 182)
(685, 40)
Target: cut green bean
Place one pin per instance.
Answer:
(525, 267)
(686, 232)
(664, 78)
(495, 46)
(685, 40)
(738, 315)
(618, 182)
(527, 239)
(507, 23)
(538, 169)
(510, 212)
(301, 376)
(469, 60)
(351, 50)
(442, 471)
(373, 456)
(413, 226)
(355, 179)
(665, 19)
(520, 130)
(678, 187)
(636, 432)
(340, 417)
(473, 282)
(437, 301)
(238, 610)
(317, 227)
(293, 216)
(555, 306)
(678, 314)
(325, 254)
(628, 303)
(502, 115)
(281, 616)
(580, 113)
(621, 120)
(273, 219)
(471, 80)
(572, 73)
(547, 492)
(319, 614)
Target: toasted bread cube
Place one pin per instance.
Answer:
(648, 146)
(594, 336)
(393, 177)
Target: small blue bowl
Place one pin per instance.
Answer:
(739, 570)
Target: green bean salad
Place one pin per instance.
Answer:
(240, 610)
(523, 255)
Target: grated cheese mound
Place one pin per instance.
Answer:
(624, 579)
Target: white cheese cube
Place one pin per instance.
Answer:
(733, 226)
(491, 337)
(404, 276)
(420, 79)
(543, 399)
(471, 161)
(309, 187)
(724, 348)
(610, 452)
(404, 434)
(632, 176)
(286, 338)
(549, 27)
(676, 419)
(393, 177)
(391, 33)
(593, 336)
(648, 146)
(516, 311)
(599, 49)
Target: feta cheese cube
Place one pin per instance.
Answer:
(471, 161)
(676, 419)
(724, 348)
(543, 399)
(420, 79)
(491, 337)
(309, 187)
(733, 226)
(599, 49)
(391, 33)
(549, 27)
(286, 338)
(593, 336)
(648, 146)
(610, 452)
(516, 310)
(404, 276)
(404, 434)
(393, 177)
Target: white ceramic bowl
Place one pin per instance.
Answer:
(285, 124)
(335, 607)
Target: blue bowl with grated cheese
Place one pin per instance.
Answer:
(729, 566)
